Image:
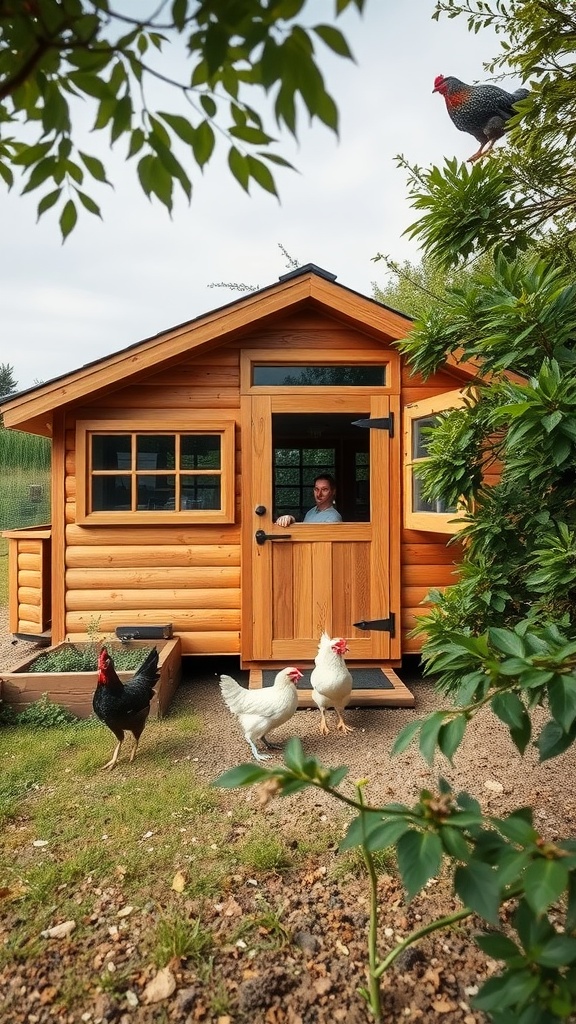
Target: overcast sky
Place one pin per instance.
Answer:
(138, 272)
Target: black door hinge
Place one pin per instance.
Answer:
(382, 625)
(378, 423)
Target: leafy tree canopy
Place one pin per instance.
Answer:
(526, 191)
(513, 314)
(57, 55)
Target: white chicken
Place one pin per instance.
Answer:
(260, 711)
(331, 681)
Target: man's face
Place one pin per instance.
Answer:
(323, 494)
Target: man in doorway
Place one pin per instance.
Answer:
(323, 510)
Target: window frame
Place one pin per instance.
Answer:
(319, 357)
(86, 429)
(415, 519)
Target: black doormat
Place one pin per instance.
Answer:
(363, 679)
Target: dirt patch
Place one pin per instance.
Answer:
(304, 966)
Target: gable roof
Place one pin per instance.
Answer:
(306, 287)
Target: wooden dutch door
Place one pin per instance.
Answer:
(299, 419)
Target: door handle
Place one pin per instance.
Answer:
(261, 537)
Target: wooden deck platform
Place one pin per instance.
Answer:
(376, 686)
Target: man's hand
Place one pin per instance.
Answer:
(285, 521)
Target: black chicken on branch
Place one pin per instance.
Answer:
(124, 707)
(481, 110)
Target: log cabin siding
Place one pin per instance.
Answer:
(29, 556)
(190, 575)
(135, 575)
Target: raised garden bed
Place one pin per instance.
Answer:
(74, 690)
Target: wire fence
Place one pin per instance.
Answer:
(24, 480)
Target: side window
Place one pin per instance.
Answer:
(420, 513)
(145, 476)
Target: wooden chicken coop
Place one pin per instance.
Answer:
(172, 458)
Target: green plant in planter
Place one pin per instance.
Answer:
(84, 658)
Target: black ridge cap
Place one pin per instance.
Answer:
(308, 268)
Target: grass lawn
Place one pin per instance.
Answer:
(138, 859)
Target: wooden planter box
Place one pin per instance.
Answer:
(74, 690)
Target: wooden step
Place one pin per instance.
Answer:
(393, 693)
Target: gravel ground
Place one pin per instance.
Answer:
(315, 978)
(487, 765)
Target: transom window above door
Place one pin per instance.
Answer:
(336, 370)
(318, 376)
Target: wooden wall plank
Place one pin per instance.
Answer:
(108, 600)
(157, 536)
(168, 578)
(183, 620)
(146, 555)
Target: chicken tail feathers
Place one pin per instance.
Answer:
(149, 668)
(232, 694)
(147, 676)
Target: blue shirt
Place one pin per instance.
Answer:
(327, 515)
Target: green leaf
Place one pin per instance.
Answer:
(181, 126)
(294, 757)
(419, 859)
(246, 133)
(562, 699)
(94, 166)
(507, 990)
(161, 182)
(68, 219)
(516, 828)
(506, 641)
(88, 203)
(386, 834)
(121, 119)
(261, 175)
(405, 737)
(553, 740)
(429, 734)
(571, 903)
(477, 886)
(203, 146)
(48, 201)
(544, 882)
(451, 735)
(242, 775)
(179, 13)
(359, 828)
(208, 105)
(497, 945)
(239, 166)
(509, 709)
(334, 39)
(39, 174)
(454, 843)
(6, 174)
(558, 951)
